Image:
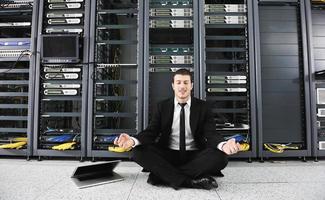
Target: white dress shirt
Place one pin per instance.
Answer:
(174, 136)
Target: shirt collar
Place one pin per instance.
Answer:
(188, 102)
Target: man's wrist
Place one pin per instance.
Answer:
(221, 145)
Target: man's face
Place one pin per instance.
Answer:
(182, 86)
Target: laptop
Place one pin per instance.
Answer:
(98, 174)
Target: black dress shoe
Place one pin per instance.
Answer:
(155, 180)
(200, 183)
(212, 181)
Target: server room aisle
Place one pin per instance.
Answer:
(45, 180)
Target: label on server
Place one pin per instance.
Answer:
(61, 15)
(61, 76)
(54, 85)
(64, 6)
(64, 21)
(67, 92)
(54, 69)
(63, 30)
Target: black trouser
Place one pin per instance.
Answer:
(166, 164)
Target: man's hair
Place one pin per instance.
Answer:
(184, 72)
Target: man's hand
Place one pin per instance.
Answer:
(124, 141)
(231, 147)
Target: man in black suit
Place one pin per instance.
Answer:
(181, 147)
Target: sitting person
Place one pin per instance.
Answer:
(181, 147)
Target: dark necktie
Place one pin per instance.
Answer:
(182, 148)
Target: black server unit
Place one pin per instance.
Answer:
(115, 76)
(17, 58)
(171, 43)
(227, 69)
(61, 79)
(315, 11)
(283, 84)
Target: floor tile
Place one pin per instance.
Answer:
(116, 190)
(292, 171)
(271, 191)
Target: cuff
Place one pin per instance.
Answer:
(136, 142)
(220, 145)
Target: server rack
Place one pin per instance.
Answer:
(17, 61)
(171, 43)
(115, 78)
(315, 12)
(227, 68)
(282, 79)
(61, 83)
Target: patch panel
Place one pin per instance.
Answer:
(13, 53)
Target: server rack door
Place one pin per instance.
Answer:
(227, 69)
(61, 79)
(171, 43)
(114, 103)
(17, 59)
(283, 89)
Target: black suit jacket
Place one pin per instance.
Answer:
(202, 125)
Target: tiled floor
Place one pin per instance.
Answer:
(50, 179)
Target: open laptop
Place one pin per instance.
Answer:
(97, 174)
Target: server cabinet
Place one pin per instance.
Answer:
(227, 68)
(283, 83)
(17, 62)
(315, 13)
(115, 78)
(171, 43)
(61, 79)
